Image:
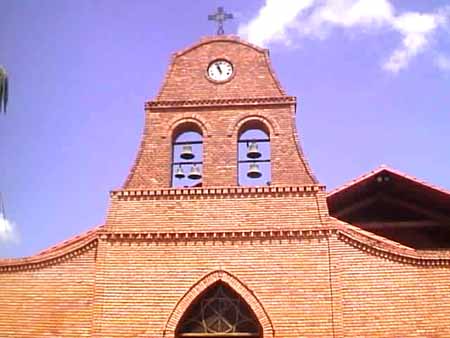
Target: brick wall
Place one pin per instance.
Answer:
(152, 167)
(381, 297)
(186, 78)
(289, 277)
(301, 283)
(218, 211)
(52, 301)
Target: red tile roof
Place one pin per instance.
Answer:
(386, 168)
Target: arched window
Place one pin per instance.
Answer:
(254, 155)
(187, 157)
(219, 312)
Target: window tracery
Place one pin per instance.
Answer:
(220, 312)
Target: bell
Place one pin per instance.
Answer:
(253, 171)
(252, 150)
(179, 173)
(186, 152)
(194, 174)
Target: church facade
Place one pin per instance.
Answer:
(222, 230)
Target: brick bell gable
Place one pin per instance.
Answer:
(219, 110)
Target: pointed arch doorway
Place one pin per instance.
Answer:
(219, 312)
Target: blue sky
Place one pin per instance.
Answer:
(372, 78)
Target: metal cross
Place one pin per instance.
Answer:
(220, 17)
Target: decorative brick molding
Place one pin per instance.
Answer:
(363, 242)
(188, 118)
(257, 101)
(214, 235)
(243, 118)
(375, 246)
(202, 285)
(394, 253)
(49, 259)
(222, 192)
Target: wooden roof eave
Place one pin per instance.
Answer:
(341, 197)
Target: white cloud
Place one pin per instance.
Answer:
(8, 231)
(328, 14)
(285, 20)
(415, 23)
(350, 13)
(273, 20)
(443, 62)
(416, 29)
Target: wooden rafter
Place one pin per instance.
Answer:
(399, 224)
(356, 206)
(433, 214)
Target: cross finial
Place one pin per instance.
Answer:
(220, 16)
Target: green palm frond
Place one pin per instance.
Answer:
(3, 89)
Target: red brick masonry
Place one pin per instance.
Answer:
(302, 272)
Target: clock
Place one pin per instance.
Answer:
(220, 70)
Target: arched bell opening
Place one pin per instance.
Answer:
(254, 165)
(187, 156)
(219, 312)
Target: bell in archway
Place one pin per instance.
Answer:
(186, 152)
(252, 150)
(195, 173)
(179, 173)
(253, 171)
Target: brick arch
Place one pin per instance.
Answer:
(188, 118)
(204, 283)
(236, 125)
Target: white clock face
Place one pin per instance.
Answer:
(220, 70)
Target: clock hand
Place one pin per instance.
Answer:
(220, 70)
